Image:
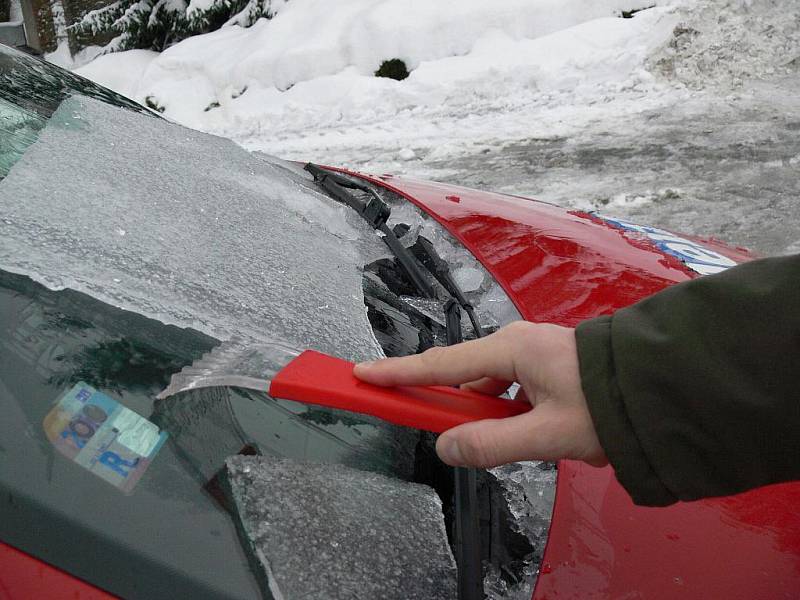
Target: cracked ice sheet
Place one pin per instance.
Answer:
(186, 228)
(328, 531)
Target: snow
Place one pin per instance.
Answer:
(119, 71)
(303, 72)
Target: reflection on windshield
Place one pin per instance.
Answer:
(18, 130)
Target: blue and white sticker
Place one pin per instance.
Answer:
(103, 436)
(695, 256)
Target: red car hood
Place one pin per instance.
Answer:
(563, 267)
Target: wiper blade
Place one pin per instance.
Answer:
(375, 212)
(466, 525)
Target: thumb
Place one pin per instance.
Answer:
(545, 433)
(487, 443)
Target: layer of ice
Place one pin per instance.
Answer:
(329, 532)
(214, 238)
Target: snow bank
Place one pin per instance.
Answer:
(121, 72)
(312, 67)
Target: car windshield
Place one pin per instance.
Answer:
(129, 248)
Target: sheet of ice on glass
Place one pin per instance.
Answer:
(187, 228)
(330, 532)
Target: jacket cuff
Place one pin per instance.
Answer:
(610, 418)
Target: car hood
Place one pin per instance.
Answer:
(563, 267)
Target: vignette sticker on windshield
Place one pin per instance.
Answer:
(103, 436)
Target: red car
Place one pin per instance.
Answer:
(129, 246)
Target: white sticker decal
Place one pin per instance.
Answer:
(695, 256)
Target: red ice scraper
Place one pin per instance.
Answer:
(312, 377)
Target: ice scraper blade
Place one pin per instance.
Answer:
(315, 378)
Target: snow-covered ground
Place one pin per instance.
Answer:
(685, 116)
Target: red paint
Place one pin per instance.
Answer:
(564, 267)
(557, 266)
(316, 378)
(22, 576)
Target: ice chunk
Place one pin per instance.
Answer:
(328, 532)
(215, 238)
(468, 279)
(492, 304)
(529, 488)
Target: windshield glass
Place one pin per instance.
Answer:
(176, 227)
(129, 248)
(18, 130)
(30, 90)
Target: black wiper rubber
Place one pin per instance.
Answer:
(466, 526)
(376, 213)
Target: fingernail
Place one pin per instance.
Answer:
(366, 364)
(449, 451)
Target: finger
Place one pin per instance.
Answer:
(491, 356)
(542, 434)
(487, 385)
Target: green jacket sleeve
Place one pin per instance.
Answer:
(694, 391)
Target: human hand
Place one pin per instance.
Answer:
(543, 359)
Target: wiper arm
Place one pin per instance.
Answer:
(376, 213)
(441, 270)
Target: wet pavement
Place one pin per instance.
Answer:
(723, 166)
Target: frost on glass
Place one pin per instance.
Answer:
(186, 228)
(329, 532)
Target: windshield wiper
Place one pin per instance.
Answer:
(376, 213)
(466, 530)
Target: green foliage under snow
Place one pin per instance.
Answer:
(157, 24)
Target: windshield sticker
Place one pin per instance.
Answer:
(103, 436)
(695, 256)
